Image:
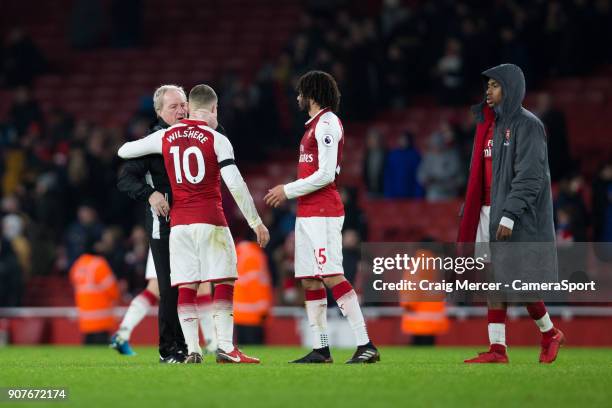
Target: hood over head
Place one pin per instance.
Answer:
(512, 81)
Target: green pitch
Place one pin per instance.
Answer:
(428, 377)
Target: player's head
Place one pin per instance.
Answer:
(320, 88)
(170, 103)
(203, 97)
(494, 93)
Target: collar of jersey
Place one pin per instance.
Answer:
(319, 113)
(193, 122)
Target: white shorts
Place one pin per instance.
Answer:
(201, 253)
(150, 268)
(318, 247)
(483, 237)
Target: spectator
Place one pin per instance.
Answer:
(13, 232)
(565, 225)
(559, 158)
(572, 204)
(136, 260)
(21, 61)
(354, 217)
(126, 19)
(400, 175)
(86, 24)
(24, 112)
(10, 276)
(96, 292)
(450, 71)
(374, 164)
(85, 229)
(351, 254)
(602, 204)
(441, 171)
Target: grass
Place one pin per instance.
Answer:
(419, 377)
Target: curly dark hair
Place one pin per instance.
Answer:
(321, 87)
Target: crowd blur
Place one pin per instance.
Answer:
(58, 171)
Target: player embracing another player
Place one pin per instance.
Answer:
(509, 196)
(201, 245)
(320, 215)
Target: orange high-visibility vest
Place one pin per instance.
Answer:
(252, 290)
(96, 292)
(426, 314)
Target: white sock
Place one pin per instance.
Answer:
(349, 306)
(497, 333)
(207, 324)
(188, 318)
(138, 309)
(316, 310)
(224, 324)
(544, 323)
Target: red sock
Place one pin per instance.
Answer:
(186, 298)
(204, 300)
(224, 293)
(149, 296)
(497, 330)
(496, 316)
(536, 310)
(341, 289)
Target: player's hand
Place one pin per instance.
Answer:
(263, 235)
(503, 233)
(276, 196)
(208, 117)
(159, 204)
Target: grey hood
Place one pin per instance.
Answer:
(512, 81)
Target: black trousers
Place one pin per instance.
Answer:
(171, 337)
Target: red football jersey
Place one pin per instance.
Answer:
(192, 152)
(488, 165)
(324, 132)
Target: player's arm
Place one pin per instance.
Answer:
(133, 183)
(151, 144)
(131, 180)
(238, 188)
(328, 139)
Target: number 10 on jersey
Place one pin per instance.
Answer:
(178, 169)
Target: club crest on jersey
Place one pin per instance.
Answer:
(328, 140)
(507, 141)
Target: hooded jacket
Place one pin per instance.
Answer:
(520, 187)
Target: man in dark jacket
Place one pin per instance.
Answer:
(509, 198)
(145, 179)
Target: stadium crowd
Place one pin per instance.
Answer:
(59, 171)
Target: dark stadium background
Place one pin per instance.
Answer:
(77, 77)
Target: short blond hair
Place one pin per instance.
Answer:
(158, 95)
(202, 96)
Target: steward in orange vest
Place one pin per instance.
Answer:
(424, 313)
(252, 293)
(96, 293)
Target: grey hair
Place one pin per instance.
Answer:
(161, 91)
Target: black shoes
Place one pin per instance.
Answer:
(174, 358)
(316, 356)
(367, 354)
